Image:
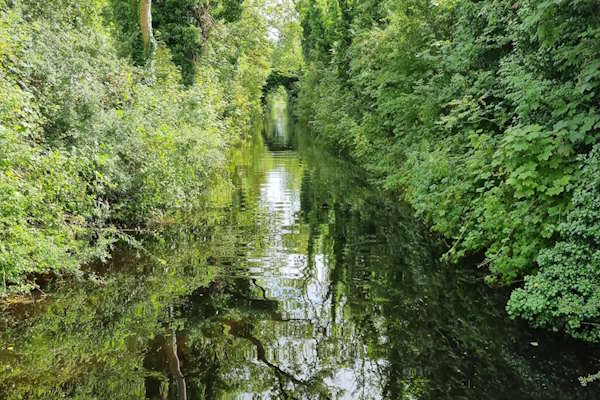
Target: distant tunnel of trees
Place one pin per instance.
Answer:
(276, 79)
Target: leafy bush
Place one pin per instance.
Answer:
(477, 113)
(93, 146)
(565, 292)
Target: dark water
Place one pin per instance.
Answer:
(301, 282)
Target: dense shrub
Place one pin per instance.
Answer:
(478, 113)
(91, 144)
(565, 293)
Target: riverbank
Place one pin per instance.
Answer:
(483, 116)
(99, 142)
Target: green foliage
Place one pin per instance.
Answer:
(478, 113)
(237, 56)
(183, 25)
(92, 145)
(45, 201)
(286, 32)
(565, 293)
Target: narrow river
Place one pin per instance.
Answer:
(303, 282)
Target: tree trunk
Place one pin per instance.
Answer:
(146, 25)
(204, 20)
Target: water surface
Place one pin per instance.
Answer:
(303, 282)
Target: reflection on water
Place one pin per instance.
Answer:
(303, 283)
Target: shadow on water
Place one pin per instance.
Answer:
(303, 282)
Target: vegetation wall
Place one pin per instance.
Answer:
(98, 141)
(484, 116)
